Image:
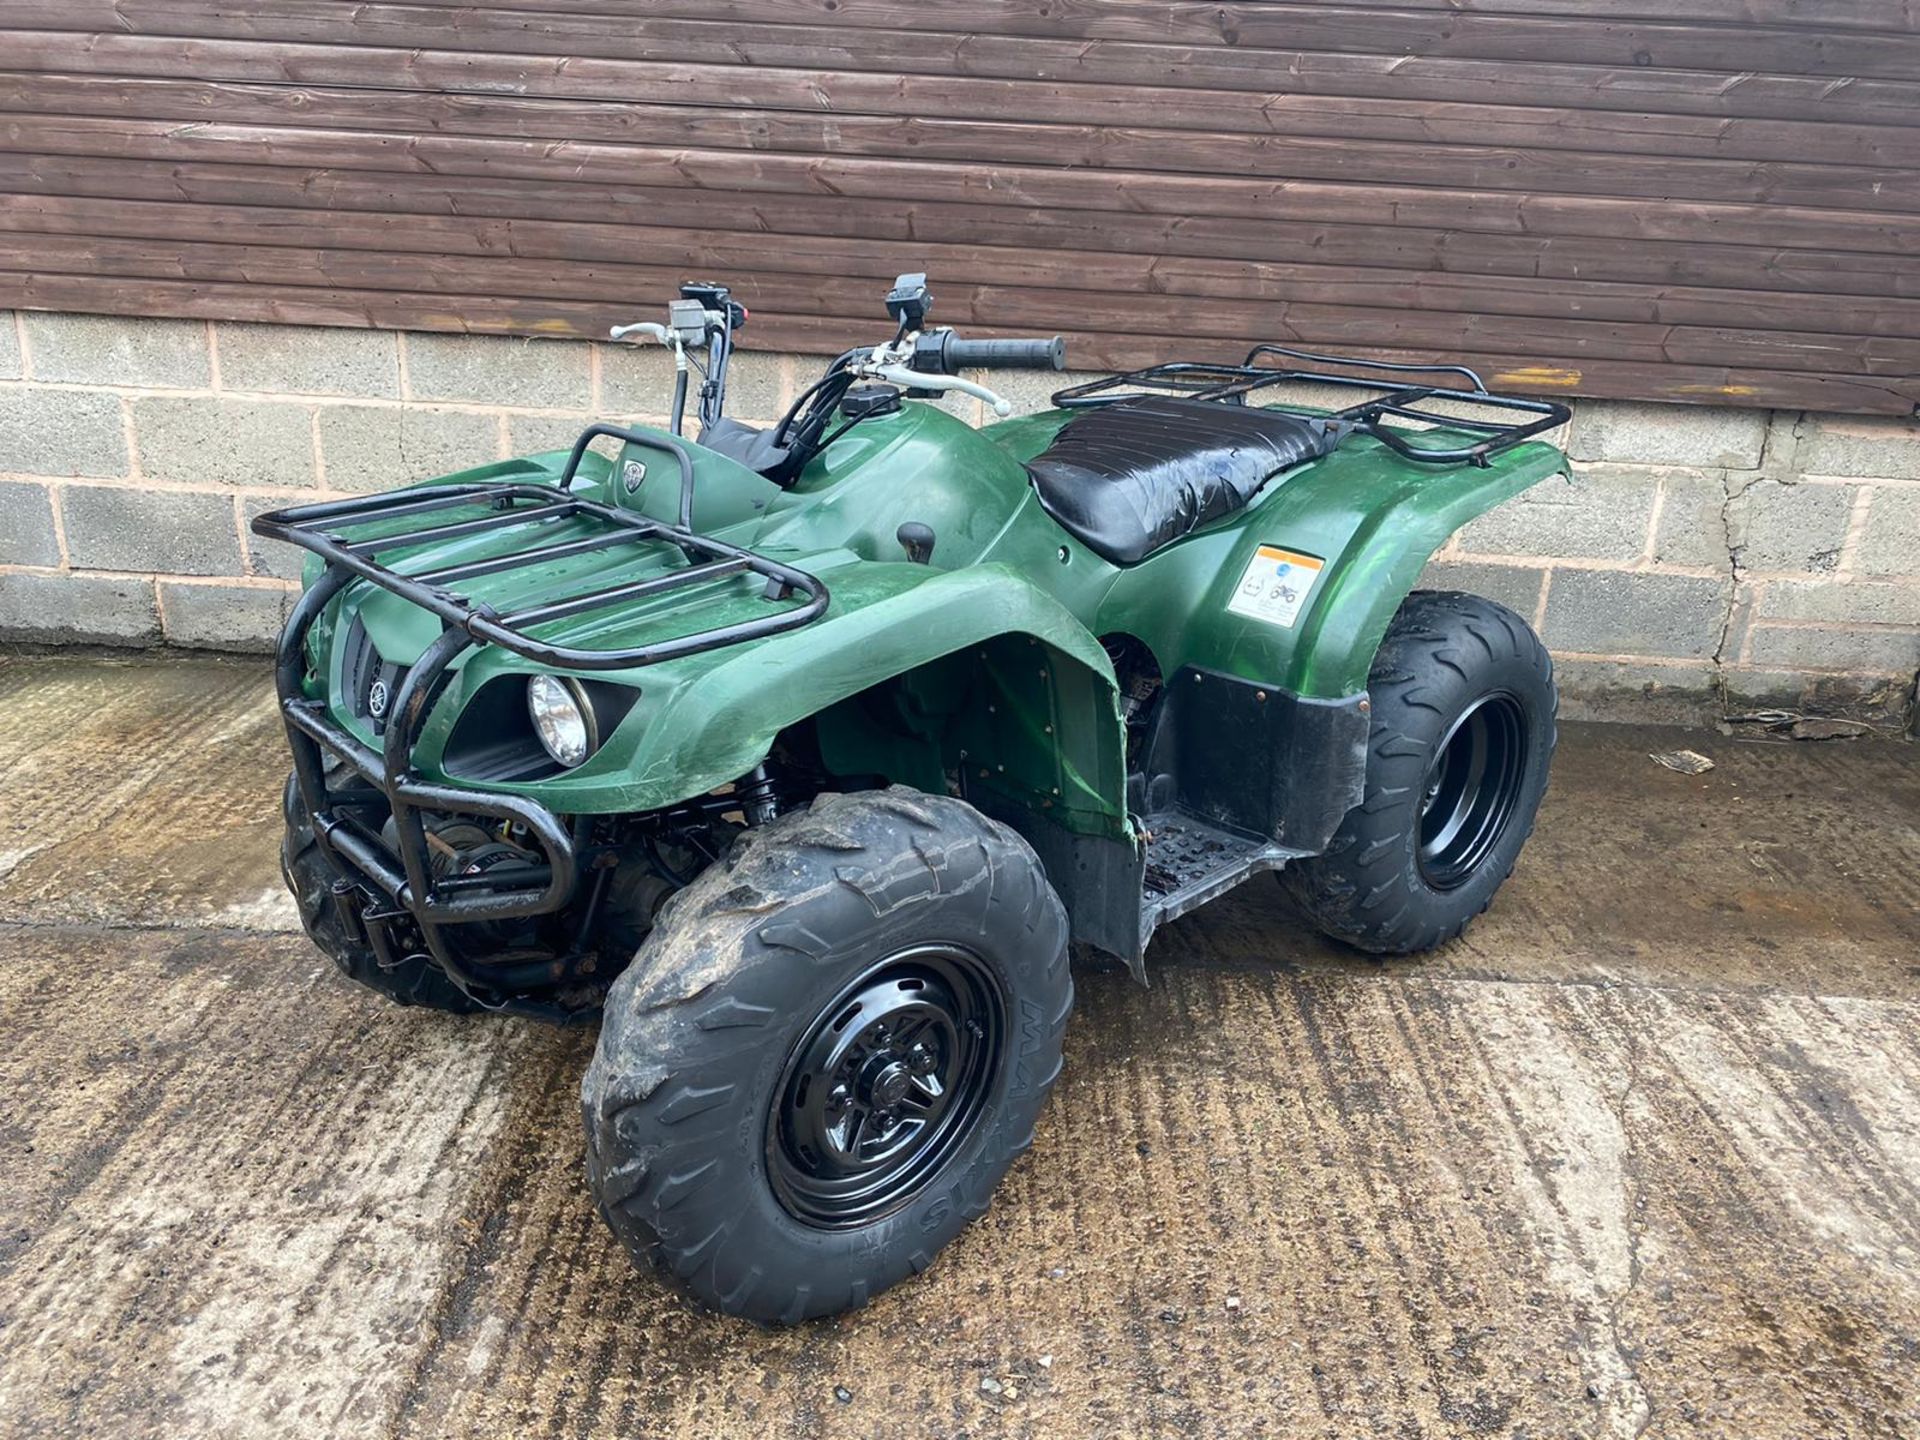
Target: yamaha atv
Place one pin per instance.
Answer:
(804, 756)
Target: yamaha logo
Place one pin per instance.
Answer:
(632, 475)
(377, 699)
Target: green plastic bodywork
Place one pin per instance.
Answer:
(989, 657)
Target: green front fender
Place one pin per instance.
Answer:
(1371, 519)
(705, 721)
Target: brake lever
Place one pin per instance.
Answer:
(917, 380)
(651, 330)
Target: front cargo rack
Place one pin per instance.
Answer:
(388, 880)
(1395, 397)
(324, 528)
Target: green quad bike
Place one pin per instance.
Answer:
(804, 755)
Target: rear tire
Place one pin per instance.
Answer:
(1461, 739)
(828, 1052)
(415, 981)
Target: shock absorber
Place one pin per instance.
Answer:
(758, 800)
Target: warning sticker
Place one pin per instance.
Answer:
(1275, 585)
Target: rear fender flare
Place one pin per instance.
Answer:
(1370, 520)
(1383, 561)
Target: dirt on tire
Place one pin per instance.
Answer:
(739, 965)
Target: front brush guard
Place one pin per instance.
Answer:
(406, 879)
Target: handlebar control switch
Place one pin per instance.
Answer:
(863, 402)
(688, 320)
(716, 298)
(910, 300)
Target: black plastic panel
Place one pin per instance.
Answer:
(1253, 758)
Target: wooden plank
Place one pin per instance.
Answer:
(236, 84)
(452, 243)
(1472, 221)
(1273, 25)
(468, 217)
(1557, 340)
(1891, 16)
(1553, 79)
(1715, 384)
(1283, 155)
(1523, 37)
(1899, 17)
(435, 83)
(877, 178)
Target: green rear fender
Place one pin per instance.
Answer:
(1363, 521)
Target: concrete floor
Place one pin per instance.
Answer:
(1641, 1155)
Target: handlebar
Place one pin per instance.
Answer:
(944, 353)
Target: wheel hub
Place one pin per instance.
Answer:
(889, 1087)
(885, 1086)
(1471, 790)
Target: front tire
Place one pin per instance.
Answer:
(1461, 739)
(416, 980)
(828, 1052)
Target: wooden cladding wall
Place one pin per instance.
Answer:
(1627, 198)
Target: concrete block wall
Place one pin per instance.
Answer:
(1769, 559)
(1702, 559)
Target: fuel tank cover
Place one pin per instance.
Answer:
(863, 402)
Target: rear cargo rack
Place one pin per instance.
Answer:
(325, 529)
(1394, 397)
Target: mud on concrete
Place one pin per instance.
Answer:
(1640, 1155)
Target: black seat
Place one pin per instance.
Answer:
(1126, 478)
(746, 444)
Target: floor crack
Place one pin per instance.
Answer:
(1636, 1207)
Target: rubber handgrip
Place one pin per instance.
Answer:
(957, 354)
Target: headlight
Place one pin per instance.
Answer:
(563, 717)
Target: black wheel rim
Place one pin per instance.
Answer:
(1472, 789)
(888, 1083)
